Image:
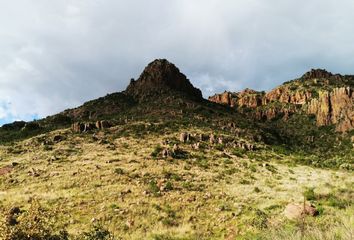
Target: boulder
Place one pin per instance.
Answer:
(176, 148)
(166, 153)
(184, 137)
(98, 125)
(212, 139)
(295, 211)
(78, 127)
(58, 138)
(196, 146)
(202, 137)
(105, 124)
(89, 127)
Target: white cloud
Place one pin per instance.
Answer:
(57, 54)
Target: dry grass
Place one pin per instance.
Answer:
(210, 194)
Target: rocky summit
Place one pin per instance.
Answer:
(161, 76)
(157, 161)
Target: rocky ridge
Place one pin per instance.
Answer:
(327, 96)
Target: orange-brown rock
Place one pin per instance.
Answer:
(335, 107)
(295, 211)
(223, 98)
(248, 98)
(285, 95)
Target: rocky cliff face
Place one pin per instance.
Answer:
(329, 97)
(334, 107)
(161, 76)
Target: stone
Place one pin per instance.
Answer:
(14, 164)
(89, 127)
(212, 139)
(175, 148)
(184, 137)
(196, 146)
(58, 138)
(166, 153)
(202, 137)
(98, 125)
(77, 127)
(105, 124)
(295, 211)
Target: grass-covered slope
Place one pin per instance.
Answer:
(118, 178)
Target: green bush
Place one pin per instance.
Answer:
(157, 150)
(259, 220)
(154, 189)
(97, 232)
(309, 194)
(36, 223)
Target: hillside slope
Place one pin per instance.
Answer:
(158, 161)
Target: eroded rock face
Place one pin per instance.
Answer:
(248, 97)
(314, 93)
(223, 98)
(335, 107)
(161, 75)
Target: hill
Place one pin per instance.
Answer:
(157, 161)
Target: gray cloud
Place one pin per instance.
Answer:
(58, 54)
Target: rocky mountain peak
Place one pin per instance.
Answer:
(161, 76)
(317, 73)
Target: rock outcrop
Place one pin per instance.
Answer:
(79, 127)
(334, 107)
(161, 76)
(317, 92)
(316, 74)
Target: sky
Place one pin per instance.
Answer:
(58, 54)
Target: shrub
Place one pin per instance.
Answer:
(309, 194)
(336, 202)
(168, 186)
(257, 190)
(154, 189)
(118, 171)
(260, 220)
(35, 223)
(157, 150)
(97, 232)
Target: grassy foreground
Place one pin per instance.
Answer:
(119, 179)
